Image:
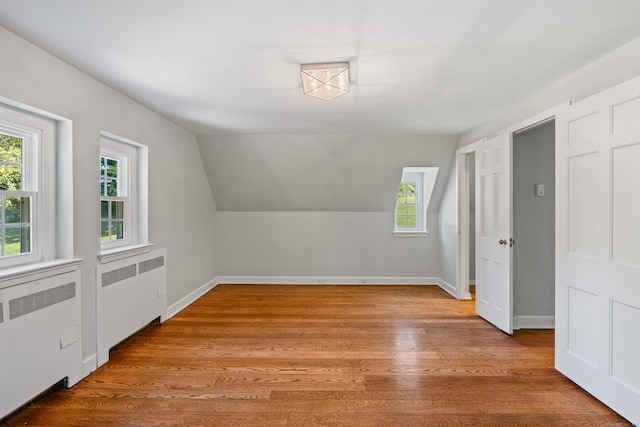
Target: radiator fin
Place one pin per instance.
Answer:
(114, 276)
(34, 302)
(151, 264)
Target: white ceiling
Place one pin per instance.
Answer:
(418, 66)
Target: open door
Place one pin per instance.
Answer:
(493, 232)
(597, 249)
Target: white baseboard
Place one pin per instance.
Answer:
(534, 322)
(447, 287)
(322, 280)
(89, 365)
(187, 300)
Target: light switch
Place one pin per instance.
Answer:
(539, 190)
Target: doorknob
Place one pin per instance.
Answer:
(503, 242)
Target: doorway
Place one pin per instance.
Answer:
(533, 201)
(533, 214)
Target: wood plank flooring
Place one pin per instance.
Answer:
(247, 355)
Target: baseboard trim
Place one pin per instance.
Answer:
(324, 280)
(89, 365)
(447, 287)
(534, 322)
(187, 300)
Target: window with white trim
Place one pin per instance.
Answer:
(414, 195)
(123, 195)
(27, 187)
(118, 193)
(18, 191)
(113, 196)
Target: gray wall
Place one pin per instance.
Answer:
(533, 222)
(312, 173)
(343, 244)
(181, 205)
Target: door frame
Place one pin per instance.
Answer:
(462, 243)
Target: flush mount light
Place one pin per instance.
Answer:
(325, 81)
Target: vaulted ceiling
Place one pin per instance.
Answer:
(228, 70)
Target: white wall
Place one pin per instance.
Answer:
(616, 67)
(181, 206)
(342, 244)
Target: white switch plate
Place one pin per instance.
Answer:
(539, 190)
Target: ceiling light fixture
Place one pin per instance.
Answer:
(325, 81)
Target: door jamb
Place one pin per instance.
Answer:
(462, 244)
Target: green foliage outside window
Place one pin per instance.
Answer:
(15, 236)
(406, 206)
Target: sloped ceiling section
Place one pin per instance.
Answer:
(334, 173)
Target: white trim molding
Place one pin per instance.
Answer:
(534, 322)
(89, 365)
(326, 280)
(189, 299)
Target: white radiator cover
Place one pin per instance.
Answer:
(131, 293)
(40, 337)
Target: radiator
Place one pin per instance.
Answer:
(131, 293)
(40, 341)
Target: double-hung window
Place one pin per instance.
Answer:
(414, 194)
(122, 193)
(18, 191)
(36, 187)
(114, 201)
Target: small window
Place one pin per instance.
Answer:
(408, 206)
(122, 192)
(113, 196)
(414, 194)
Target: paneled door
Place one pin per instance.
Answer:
(493, 232)
(598, 246)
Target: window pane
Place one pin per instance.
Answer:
(10, 177)
(10, 162)
(117, 210)
(112, 188)
(10, 149)
(17, 240)
(112, 168)
(117, 228)
(104, 209)
(104, 231)
(17, 210)
(402, 210)
(411, 221)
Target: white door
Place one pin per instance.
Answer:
(598, 246)
(493, 232)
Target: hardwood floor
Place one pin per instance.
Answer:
(247, 355)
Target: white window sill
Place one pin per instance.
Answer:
(123, 252)
(397, 233)
(30, 272)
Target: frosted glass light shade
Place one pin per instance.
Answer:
(325, 81)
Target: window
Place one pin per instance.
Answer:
(121, 192)
(25, 187)
(414, 194)
(18, 191)
(36, 188)
(113, 196)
